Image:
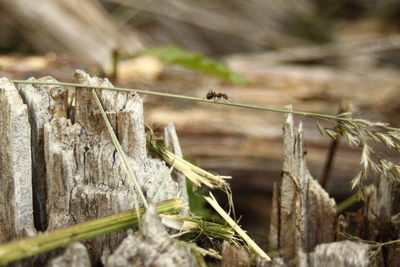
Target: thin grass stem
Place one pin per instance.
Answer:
(191, 98)
(121, 152)
(347, 203)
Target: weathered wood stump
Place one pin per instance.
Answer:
(303, 218)
(59, 167)
(303, 215)
(63, 156)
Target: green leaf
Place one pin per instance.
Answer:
(198, 205)
(196, 61)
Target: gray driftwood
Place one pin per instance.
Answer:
(16, 209)
(152, 246)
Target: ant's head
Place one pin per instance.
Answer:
(210, 94)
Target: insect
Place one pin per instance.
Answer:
(218, 96)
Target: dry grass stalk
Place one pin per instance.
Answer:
(202, 251)
(366, 135)
(196, 225)
(213, 202)
(195, 174)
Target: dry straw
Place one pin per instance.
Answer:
(195, 174)
(197, 225)
(366, 135)
(213, 202)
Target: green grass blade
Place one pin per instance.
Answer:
(27, 247)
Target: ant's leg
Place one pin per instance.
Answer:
(227, 98)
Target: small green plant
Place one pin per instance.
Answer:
(197, 203)
(197, 62)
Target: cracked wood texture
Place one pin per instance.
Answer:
(85, 177)
(16, 211)
(64, 154)
(44, 102)
(303, 214)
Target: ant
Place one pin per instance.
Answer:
(218, 96)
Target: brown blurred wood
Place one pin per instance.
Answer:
(232, 22)
(333, 147)
(342, 50)
(82, 28)
(273, 236)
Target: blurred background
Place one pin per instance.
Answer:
(314, 54)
